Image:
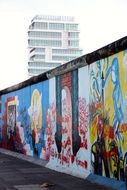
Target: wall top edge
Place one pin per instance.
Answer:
(84, 60)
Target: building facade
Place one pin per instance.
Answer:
(52, 41)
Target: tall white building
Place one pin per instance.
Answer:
(52, 41)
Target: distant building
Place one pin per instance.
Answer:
(52, 41)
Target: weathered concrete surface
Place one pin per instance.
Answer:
(22, 174)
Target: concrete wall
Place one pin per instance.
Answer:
(108, 116)
(76, 120)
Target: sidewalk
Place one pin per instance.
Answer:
(20, 172)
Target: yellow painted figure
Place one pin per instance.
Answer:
(35, 112)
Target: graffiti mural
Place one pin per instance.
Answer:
(10, 133)
(83, 155)
(35, 113)
(96, 119)
(108, 121)
(68, 129)
(115, 79)
(76, 120)
(24, 121)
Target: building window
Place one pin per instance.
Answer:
(43, 64)
(35, 57)
(67, 51)
(52, 43)
(40, 50)
(71, 26)
(63, 58)
(73, 43)
(56, 26)
(73, 34)
(40, 25)
(39, 34)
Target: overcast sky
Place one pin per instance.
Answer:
(100, 22)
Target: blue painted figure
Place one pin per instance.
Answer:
(117, 94)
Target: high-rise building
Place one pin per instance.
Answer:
(52, 41)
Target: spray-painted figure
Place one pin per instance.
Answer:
(117, 94)
(118, 118)
(111, 163)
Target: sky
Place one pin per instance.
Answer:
(100, 22)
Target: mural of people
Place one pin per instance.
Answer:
(35, 113)
(67, 136)
(66, 126)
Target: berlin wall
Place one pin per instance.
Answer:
(74, 116)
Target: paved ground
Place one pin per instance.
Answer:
(19, 174)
